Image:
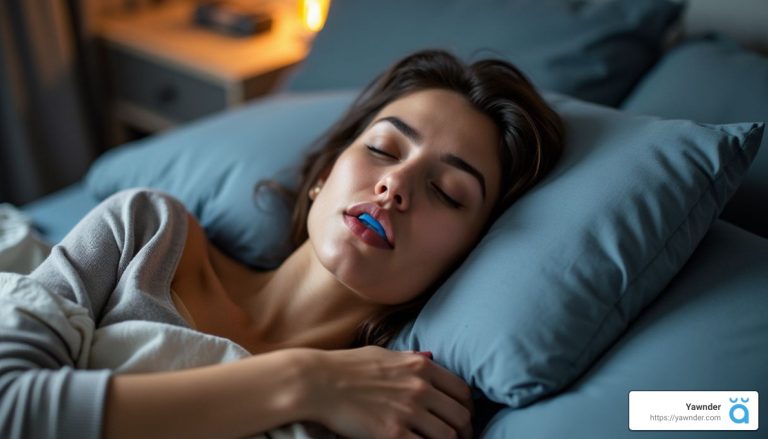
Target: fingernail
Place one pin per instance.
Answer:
(427, 354)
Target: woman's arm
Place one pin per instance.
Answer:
(228, 400)
(369, 392)
(47, 318)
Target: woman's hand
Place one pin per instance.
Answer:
(372, 392)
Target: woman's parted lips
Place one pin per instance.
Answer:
(381, 215)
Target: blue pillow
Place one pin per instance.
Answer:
(706, 332)
(212, 166)
(714, 80)
(562, 273)
(574, 47)
(557, 278)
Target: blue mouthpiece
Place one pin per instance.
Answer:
(372, 224)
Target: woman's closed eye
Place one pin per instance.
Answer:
(380, 152)
(447, 199)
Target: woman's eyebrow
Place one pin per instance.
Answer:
(407, 130)
(450, 159)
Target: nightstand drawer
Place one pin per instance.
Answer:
(169, 93)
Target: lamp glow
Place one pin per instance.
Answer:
(314, 13)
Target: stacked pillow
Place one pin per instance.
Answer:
(569, 46)
(558, 277)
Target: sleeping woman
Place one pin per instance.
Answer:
(397, 193)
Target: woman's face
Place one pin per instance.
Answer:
(425, 173)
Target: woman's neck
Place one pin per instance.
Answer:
(298, 304)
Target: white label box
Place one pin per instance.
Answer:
(693, 410)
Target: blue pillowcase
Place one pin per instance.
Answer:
(573, 47)
(565, 270)
(715, 80)
(706, 332)
(558, 277)
(212, 167)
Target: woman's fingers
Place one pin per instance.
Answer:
(451, 412)
(448, 383)
(432, 426)
(447, 398)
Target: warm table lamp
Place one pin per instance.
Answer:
(313, 13)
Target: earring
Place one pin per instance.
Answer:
(315, 191)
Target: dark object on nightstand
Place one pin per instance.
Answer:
(231, 19)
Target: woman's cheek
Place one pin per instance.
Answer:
(351, 172)
(443, 236)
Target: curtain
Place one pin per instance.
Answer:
(49, 97)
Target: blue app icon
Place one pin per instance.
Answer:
(739, 409)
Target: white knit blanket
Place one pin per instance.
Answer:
(21, 248)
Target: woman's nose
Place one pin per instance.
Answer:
(392, 191)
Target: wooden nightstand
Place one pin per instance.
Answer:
(164, 70)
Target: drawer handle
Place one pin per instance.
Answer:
(166, 95)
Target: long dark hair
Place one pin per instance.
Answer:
(531, 135)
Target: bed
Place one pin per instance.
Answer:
(656, 219)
